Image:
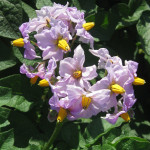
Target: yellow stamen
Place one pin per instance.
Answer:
(86, 102)
(43, 83)
(33, 80)
(88, 26)
(138, 81)
(62, 114)
(116, 88)
(48, 23)
(125, 116)
(77, 74)
(18, 42)
(63, 45)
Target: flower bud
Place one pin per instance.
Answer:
(138, 81)
(43, 83)
(116, 88)
(18, 42)
(63, 45)
(88, 26)
(62, 114)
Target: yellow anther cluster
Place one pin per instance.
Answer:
(33, 80)
(77, 74)
(116, 88)
(88, 25)
(63, 45)
(18, 42)
(43, 83)
(86, 102)
(138, 81)
(62, 114)
(125, 116)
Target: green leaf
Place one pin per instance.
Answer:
(7, 140)
(7, 64)
(105, 24)
(6, 57)
(130, 14)
(24, 129)
(88, 7)
(143, 28)
(12, 93)
(133, 143)
(95, 130)
(29, 10)
(10, 22)
(5, 95)
(71, 138)
(42, 3)
(4, 113)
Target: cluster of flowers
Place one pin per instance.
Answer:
(73, 95)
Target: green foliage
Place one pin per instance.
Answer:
(9, 22)
(122, 27)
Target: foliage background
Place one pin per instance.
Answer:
(122, 26)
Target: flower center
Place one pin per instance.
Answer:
(88, 26)
(85, 102)
(116, 88)
(63, 45)
(62, 114)
(138, 81)
(125, 116)
(77, 74)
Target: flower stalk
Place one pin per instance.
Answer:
(54, 135)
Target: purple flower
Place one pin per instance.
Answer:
(85, 36)
(66, 104)
(49, 41)
(40, 70)
(89, 102)
(123, 107)
(105, 58)
(73, 69)
(29, 52)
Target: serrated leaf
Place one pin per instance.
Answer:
(42, 3)
(10, 22)
(143, 28)
(29, 10)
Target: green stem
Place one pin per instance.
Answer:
(53, 137)
(73, 40)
